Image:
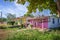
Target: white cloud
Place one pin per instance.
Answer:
(16, 11)
(14, 8)
(20, 6)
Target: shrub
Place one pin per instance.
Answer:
(3, 27)
(22, 26)
(33, 35)
(11, 22)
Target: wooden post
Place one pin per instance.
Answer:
(42, 25)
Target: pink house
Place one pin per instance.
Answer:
(38, 22)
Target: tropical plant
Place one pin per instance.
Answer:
(11, 16)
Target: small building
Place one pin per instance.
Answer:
(44, 21)
(20, 20)
(53, 22)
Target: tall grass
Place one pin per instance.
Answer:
(33, 35)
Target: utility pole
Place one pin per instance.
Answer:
(1, 15)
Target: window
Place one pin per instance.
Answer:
(58, 20)
(53, 21)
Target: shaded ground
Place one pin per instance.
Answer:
(4, 34)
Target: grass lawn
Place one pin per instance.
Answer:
(33, 35)
(28, 34)
(5, 32)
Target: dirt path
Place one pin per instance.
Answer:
(4, 34)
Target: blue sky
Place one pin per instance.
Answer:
(18, 9)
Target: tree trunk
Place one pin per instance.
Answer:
(58, 7)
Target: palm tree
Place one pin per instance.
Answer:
(10, 16)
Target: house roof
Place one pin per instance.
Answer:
(39, 18)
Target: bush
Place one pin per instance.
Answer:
(33, 35)
(3, 27)
(16, 23)
(11, 22)
(22, 26)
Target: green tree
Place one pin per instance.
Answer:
(28, 15)
(11, 16)
(52, 5)
(3, 19)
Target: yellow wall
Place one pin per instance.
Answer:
(23, 20)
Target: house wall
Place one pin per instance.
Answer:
(38, 23)
(23, 20)
(48, 24)
(55, 24)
